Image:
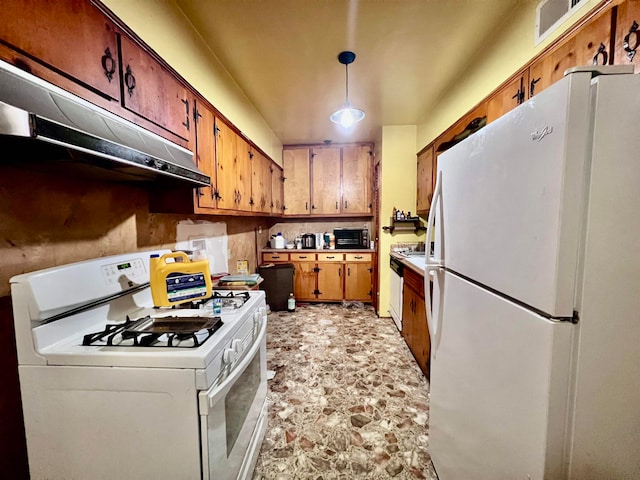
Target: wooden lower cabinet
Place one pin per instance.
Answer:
(330, 281)
(304, 280)
(329, 277)
(358, 277)
(414, 319)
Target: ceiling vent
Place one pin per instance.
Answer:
(550, 14)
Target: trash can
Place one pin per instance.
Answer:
(277, 284)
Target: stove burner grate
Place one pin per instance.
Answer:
(184, 332)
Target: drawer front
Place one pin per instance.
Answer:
(330, 257)
(303, 257)
(275, 257)
(358, 257)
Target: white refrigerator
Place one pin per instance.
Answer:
(535, 317)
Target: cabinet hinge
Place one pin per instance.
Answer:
(250, 155)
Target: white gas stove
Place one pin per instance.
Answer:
(115, 388)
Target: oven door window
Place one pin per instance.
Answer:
(229, 413)
(237, 403)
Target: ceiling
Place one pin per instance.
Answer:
(283, 55)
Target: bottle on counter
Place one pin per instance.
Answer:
(280, 241)
(291, 303)
(395, 213)
(298, 242)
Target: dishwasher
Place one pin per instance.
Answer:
(395, 297)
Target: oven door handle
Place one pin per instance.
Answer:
(213, 394)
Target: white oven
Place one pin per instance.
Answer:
(114, 388)
(233, 416)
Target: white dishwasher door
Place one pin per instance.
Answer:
(395, 295)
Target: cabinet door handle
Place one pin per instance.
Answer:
(306, 205)
(108, 64)
(303, 256)
(336, 205)
(349, 271)
(345, 205)
(602, 50)
(330, 257)
(358, 257)
(631, 51)
(129, 81)
(186, 115)
(532, 86)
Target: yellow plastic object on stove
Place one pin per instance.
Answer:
(178, 281)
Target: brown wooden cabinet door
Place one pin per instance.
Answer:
(242, 167)
(153, 93)
(425, 180)
(358, 281)
(356, 179)
(206, 156)
(330, 281)
(627, 48)
(277, 191)
(70, 36)
(227, 163)
(467, 125)
(260, 182)
(414, 320)
(422, 342)
(297, 193)
(508, 97)
(325, 181)
(304, 280)
(591, 43)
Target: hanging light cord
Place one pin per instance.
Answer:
(346, 68)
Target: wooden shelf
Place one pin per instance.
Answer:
(412, 223)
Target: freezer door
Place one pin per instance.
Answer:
(499, 393)
(512, 195)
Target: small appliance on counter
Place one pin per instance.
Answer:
(308, 240)
(351, 237)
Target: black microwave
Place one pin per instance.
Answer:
(351, 237)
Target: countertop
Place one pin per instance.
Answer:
(317, 250)
(414, 262)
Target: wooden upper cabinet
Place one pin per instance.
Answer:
(206, 197)
(425, 176)
(297, 174)
(226, 162)
(325, 181)
(627, 48)
(277, 190)
(261, 198)
(153, 93)
(356, 179)
(467, 125)
(588, 46)
(242, 174)
(509, 96)
(70, 36)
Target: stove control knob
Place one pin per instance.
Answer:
(229, 356)
(236, 345)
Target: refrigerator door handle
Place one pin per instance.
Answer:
(433, 265)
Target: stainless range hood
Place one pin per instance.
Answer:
(45, 125)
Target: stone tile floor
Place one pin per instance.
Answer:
(347, 401)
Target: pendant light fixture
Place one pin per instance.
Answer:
(347, 115)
